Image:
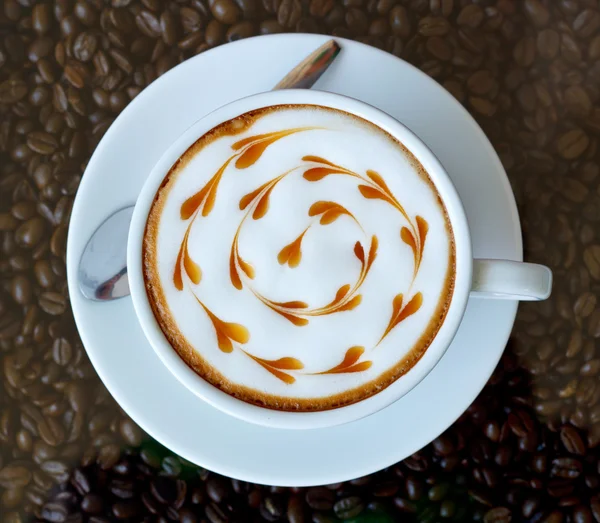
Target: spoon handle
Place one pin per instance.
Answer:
(309, 70)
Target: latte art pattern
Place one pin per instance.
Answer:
(308, 342)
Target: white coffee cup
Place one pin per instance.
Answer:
(498, 279)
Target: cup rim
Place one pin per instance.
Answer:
(286, 419)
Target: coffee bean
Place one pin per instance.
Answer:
(14, 476)
(148, 23)
(568, 468)
(590, 368)
(39, 48)
(270, 27)
(41, 142)
(193, 40)
(377, 28)
(577, 100)
(320, 498)
(225, 11)
(481, 82)
(216, 488)
(92, 504)
(239, 31)
(121, 60)
(296, 510)
(438, 493)
(21, 153)
(76, 74)
(594, 48)
(361, 481)
(126, 509)
(572, 441)
(438, 48)
(289, 12)
(78, 397)
(51, 431)
(80, 481)
(320, 8)
(569, 49)
(525, 51)
(400, 23)
(591, 258)
(131, 433)
(530, 506)
(594, 324)
(12, 498)
(150, 503)
(41, 450)
(587, 23)
(191, 20)
(575, 191)
(56, 469)
(169, 28)
(30, 233)
(52, 303)
(55, 512)
(39, 96)
(404, 506)
(348, 508)
(24, 441)
(8, 222)
(11, 91)
(124, 489)
(215, 33)
(356, 21)
(215, 514)
(84, 46)
(389, 488)
(537, 12)
(433, 26)
(520, 423)
(20, 290)
(250, 8)
(470, 15)
(96, 519)
(572, 144)
(483, 106)
(41, 18)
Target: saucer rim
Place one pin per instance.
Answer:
(253, 475)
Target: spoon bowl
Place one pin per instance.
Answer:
(103, 264)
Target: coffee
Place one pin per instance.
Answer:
(299, 258)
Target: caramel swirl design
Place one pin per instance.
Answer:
(226, 332)
(231, 336)
(297, 312)
(349, 363)
(277, 367)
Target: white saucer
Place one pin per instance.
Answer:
(176, 417)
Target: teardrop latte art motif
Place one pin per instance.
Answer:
(250, 290)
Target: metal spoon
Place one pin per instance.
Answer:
(103, 265)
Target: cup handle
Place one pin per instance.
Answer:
(511, 280)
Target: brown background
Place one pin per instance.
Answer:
(528, 448)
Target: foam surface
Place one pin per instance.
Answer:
(375, 218)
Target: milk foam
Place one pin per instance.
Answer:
(329, 260)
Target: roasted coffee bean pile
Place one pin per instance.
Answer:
(527, 450)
